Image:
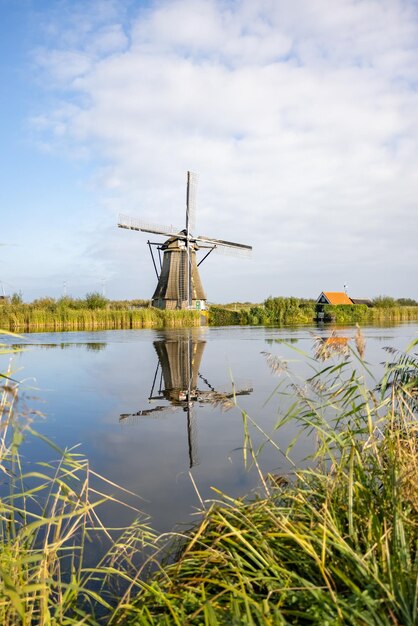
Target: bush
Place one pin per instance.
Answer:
(406, 302)
(16, 298)
(288, 310)
(384, 302)
(219, 316)
(346, 313)
(95, 300)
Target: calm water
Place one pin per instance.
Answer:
(144, 405)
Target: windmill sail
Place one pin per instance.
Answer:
(191, 202)
(133, 223)
(226, 247)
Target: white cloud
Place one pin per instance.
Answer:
(301, 118)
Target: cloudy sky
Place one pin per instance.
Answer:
(300, 118)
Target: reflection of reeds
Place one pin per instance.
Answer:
(360, 342)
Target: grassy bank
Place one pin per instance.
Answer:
(278, 311)
(334, 544)
(273, 311)
(28, 318)
(94, 312)
(362, 314)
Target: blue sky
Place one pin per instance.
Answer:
(300, 118)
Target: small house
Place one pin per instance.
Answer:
(334, 297)
(330, 297)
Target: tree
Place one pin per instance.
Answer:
(406, 302)
(17, 298)
(95, 300)
(384, 302)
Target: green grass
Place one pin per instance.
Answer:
(334, 544)
(48, 514)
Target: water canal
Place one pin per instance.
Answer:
(151, 408)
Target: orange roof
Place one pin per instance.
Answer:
(337, 297)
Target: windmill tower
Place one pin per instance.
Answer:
(179, 285)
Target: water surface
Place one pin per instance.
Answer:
(150, 408)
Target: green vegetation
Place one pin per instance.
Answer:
(96, 312)
(48, 515)
(360, 313)
(278, 311)
(387, 302)
(93, 312)
(406, 302)
(336, 543)
(272, 311)
(384, 302)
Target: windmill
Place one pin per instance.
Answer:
(178, 382)
(179, 285)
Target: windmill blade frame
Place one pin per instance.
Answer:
(225, 247)
(192, 179)
(134, 223)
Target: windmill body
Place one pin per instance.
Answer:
(172, 290)
(179, 284)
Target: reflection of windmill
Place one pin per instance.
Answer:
(179, 285)
(177, 377)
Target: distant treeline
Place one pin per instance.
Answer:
(91, 301)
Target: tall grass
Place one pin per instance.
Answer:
(336, 543)
(280, 311)
(272, 311)
(48, 516)
(27, 318)
(361, 313)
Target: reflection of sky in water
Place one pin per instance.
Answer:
(99, 376)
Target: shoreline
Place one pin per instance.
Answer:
(28, 319)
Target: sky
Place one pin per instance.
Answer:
(300, 119)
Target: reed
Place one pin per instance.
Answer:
(281, 311)
(28, 318)
(274, 311)
(48, 515)
(334, 544)
(361, 313)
